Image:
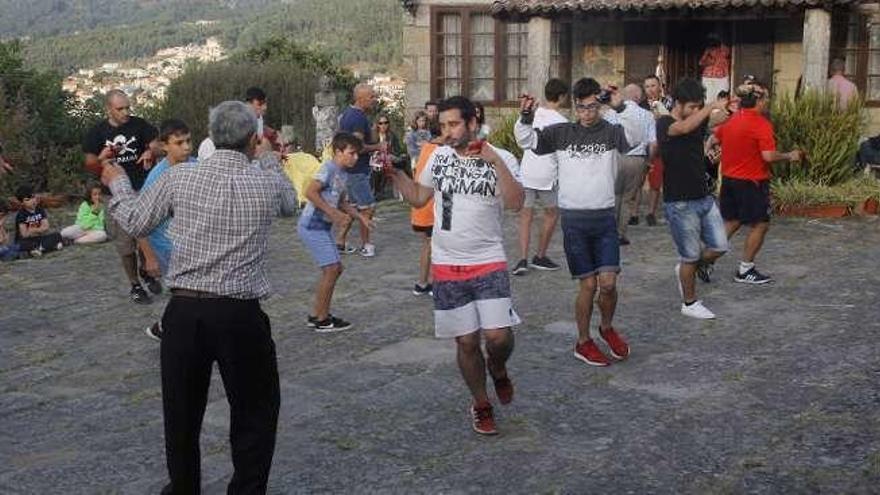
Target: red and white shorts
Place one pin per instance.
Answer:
(472, 297)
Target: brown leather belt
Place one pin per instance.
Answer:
(195, 294)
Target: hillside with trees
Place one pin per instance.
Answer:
(368, 32)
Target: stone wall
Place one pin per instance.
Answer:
(597, 52)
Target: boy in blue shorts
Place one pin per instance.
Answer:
(326, 194)
(176, 143)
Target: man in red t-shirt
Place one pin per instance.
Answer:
(747, 150)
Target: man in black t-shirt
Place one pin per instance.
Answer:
(691, 211)
(131, 143)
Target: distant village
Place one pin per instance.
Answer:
(146, 80)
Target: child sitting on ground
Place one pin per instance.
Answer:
(32, 225)
(89, 226)
(327, 206)
(8, 250)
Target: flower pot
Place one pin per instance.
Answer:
(817, 211)
(870, 207)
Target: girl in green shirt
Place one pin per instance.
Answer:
(89, 227)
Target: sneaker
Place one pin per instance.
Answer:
(619, 348)
(154, 331)
(697, 310)
(153, 285)
(422, 290)
(483, 420)
(623, 241)
(368, 251)
(312, 321)
(752, 276)
(331, 324)
(343, 249)
(36, 253)
(589, 353)
(633, 221)
(139, 295)
(521, 268)
(651, 220)
(59, 246)
(543, 263)
(704, 271)
(504, 389)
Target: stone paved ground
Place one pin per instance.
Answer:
(780, 395)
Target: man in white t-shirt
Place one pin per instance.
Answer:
(539, 174)
(471, 182)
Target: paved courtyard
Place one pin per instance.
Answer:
(781, 394)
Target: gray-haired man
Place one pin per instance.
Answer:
(222, 212)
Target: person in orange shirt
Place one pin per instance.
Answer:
(748, 147)
(422, 220)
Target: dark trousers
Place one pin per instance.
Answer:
(46, 242)
(236, 334)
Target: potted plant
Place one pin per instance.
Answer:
(800, 197)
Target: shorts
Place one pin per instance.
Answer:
(591, 242)
(427, 230)
(125, 244)
(693, 221)
(745, 201)
(470, 298)
(321, 245)
(655, 175)
(548, 198)
(360, 192)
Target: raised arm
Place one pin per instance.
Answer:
(268, 161)
(137, 214)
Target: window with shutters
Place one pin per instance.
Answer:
(475, 55)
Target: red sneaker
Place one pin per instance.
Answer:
(504, 390)
(589, 353)
(619, 347)
(484, 422)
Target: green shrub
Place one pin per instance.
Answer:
(502, 135)
(796, 191)
(828, 136)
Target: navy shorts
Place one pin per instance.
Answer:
(591, 242)
(745, 201)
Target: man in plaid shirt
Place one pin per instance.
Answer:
(222, 211)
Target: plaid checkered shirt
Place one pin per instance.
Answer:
(221, 212)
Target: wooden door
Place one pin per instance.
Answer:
(642, 44)
(753, 51)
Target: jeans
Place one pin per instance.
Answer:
(693, 221)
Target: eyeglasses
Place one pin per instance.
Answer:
(588, 106)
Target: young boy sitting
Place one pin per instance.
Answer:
(176, 143)
(32, 225)
(327, 206)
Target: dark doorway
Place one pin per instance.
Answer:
(685, 42)
(753, 51)
(642, 45)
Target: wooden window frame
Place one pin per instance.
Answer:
(862, 50)
(500, 58)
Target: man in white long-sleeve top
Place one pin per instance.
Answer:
(587, 153)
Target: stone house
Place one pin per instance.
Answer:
(493, 50)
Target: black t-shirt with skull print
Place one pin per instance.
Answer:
(130, 140)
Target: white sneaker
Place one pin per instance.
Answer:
(678, 280)
(368, 251)
(697, 310)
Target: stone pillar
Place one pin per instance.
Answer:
(325, 113)
(816, 47)
(540, 42)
